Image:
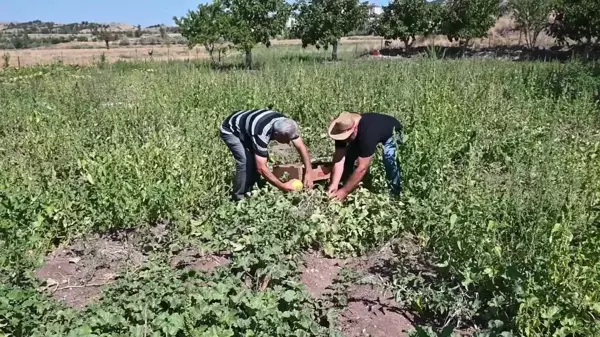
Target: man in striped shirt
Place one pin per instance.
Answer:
(247, 134)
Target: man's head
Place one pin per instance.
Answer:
(345, 127)
(285, 130)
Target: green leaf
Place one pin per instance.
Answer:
(551, 312)
(453, 219)
(328, 249)
(88, 178)
(556, 228)
(289, 296)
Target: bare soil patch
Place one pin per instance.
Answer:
(92, 54)
(318, 273)
(76, 274)
(371, 312)
(192, 258)
(372, 309)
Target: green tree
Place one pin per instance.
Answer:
(138, 31)
(464, 20)
(163, 32)
(256, 21)
(405, 19)
(105, 35)
(209, 25)
(531, 17)
(577, 20)
(324, 22)
(21, 41)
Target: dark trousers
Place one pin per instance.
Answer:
(246, 174)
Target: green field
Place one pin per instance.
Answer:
(497, 226)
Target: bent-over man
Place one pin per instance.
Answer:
(247, 134)
(356, 137)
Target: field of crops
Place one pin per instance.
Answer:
(122, 169)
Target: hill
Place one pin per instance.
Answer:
(83, 27)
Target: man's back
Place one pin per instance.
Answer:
(252, 127)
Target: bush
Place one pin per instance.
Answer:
(124, 42)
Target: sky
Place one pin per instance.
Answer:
(135, 12)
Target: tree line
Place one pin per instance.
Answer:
(99, 32)
(41, 27)
(242, 24)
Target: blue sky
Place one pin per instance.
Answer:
(143, 12)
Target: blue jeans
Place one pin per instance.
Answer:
(246, 175)
(391, 162)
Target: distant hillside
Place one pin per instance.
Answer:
(84, 27)
(34, 34)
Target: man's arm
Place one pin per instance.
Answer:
(301, 148)
(263, 169)
(339, 157)
(357, 175)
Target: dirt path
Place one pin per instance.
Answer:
(370, 311)
(76, 274)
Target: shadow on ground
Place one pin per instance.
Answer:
(515, 53)
(381, 297)
(305, 58)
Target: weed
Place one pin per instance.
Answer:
(500, 163)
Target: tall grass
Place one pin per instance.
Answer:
(501, 167)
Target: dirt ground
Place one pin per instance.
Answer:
(90, 55)
(371, 311)
(76, 274)
(318, 273)
(192, 258)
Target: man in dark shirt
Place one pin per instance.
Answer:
(356, 137)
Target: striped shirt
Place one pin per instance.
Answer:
(252, 127)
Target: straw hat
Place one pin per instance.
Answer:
(342, 127)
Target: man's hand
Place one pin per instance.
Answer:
(288, 187)
(339, 158)
(298, 143)
(340, 194)
(263, 169)
(355, 178)
(308, 180)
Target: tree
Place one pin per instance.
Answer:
(209, 25)
(324, 22)
(105, 35)
(163, 32)
(531, 17)
(21, 41)
(577, 20)
(464, 20)
(138, 31)
(405, 19)
(255, 21)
